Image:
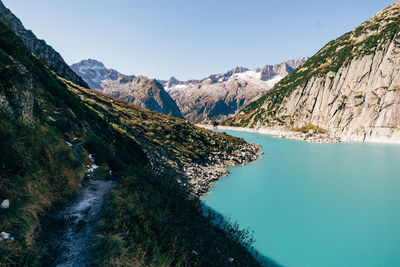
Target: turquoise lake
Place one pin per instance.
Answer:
(317, 204)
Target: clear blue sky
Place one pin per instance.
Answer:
(190, 38)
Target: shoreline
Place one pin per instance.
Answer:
(320, 138)
(199, 177)
(308, 137)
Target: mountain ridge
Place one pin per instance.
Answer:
(349, 88)
(220, 96)
(39, 47)
(138, 90)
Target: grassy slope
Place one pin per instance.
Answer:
(148, 218)
(166, 136)
(38, 168)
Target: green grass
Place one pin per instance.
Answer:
(309, 127)
(163, 134)
(149, 218)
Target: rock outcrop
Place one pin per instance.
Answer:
(6, 237)
(350, 88)
(141, 91)
(220, 96)
(38, 47)
(16, 90)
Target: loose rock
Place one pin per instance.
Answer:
(6, 237)
(199, 176)
(5, 204)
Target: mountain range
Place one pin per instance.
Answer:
(220, 96)
(140, 90)
(216, 97)
(54, 129)
(350, 88)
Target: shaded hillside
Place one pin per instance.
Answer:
(149, 218)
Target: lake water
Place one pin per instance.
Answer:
(317, 204)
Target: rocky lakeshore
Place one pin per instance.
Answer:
(320, 138)
(311, 136)
(199, 176)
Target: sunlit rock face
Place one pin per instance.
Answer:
(350, 88)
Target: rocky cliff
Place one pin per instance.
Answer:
(220, 96)
(38, 47)
(141, 91)
(350, 88)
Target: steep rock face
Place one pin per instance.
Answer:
(350, 88)
(94, 73)
(220, 96)
(16, 89)
(140, 90)
(39, 47)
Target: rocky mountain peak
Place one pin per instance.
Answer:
(91, 63)
(172, 82)
(236, 70)
(282, 69)
(94, 72)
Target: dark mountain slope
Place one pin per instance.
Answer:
(39, 47)
(149, 218)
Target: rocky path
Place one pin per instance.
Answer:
(71, 231)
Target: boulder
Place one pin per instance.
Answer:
(5, 204)
(6, 237)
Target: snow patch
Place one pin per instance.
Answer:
(274, 80)
(248, 75)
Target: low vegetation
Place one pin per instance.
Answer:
(309, 128)
(163, 135)
(149, 218)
